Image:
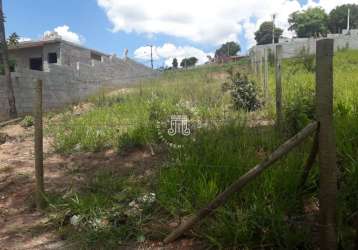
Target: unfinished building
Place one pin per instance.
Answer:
(70, 73)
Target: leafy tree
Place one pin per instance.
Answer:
(188, 62)
(264, 34)
(228, 49)
(13, 39)
(337, 20)
(175, 63)
(309, 23)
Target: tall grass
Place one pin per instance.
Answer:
(270, 212)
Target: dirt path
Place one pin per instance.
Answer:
(21, 226)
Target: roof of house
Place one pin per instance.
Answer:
(41, 43)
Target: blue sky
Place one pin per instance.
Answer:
(175, 28)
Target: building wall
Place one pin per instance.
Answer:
(64, 85)
(51, 48)
(70, 55)
(22, 56)
(293, 48)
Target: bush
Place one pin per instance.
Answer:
(243, 92)
(299, 112)
(28, 121)
(307, 60)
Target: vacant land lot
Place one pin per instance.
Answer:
(124, 179)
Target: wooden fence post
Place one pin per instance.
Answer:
(257, 70)
(40, 201)
(278, 59)
(261, 70)
(266, 90)
(327, 147)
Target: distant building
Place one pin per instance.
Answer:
(228, 59)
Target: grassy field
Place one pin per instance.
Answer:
(224, 143)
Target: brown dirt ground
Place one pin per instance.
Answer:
(21, 226)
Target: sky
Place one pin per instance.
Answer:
(174, 28)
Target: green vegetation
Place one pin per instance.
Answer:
(337, 20)
(175, 63)
(110, 211)
(188, 62)
(228, 49)
(13, 39)
(264, 34)
(312, 22)
(271, 211)
(28, 121)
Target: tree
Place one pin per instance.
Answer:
(175, 63)
(264, 34)
(13, 39)
(309, 23)
(188, 62)
(228, 49)
(5, 57)
(337, 19)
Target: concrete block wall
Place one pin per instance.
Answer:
(64, 85)
(293, 48)
(22, 56)
(70, 55)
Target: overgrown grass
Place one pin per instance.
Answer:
(268, 212)
(108, 212)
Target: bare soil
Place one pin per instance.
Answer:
(21, 226)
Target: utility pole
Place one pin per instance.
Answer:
(273, 36)
(348, 26)
(273, 29)
(151, 55)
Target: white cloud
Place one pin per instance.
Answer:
(204, 21)
(66, 34)
(169, 51)
(24, 39)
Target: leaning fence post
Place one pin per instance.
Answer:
(240, 183)
(278, 59)
(40, 201)
(327, 146)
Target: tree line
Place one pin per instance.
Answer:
(313, 22)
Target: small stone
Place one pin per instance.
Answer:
(75, 220)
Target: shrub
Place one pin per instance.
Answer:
(243, 92)
(28, 121)
(299, 112)
(307, 60)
